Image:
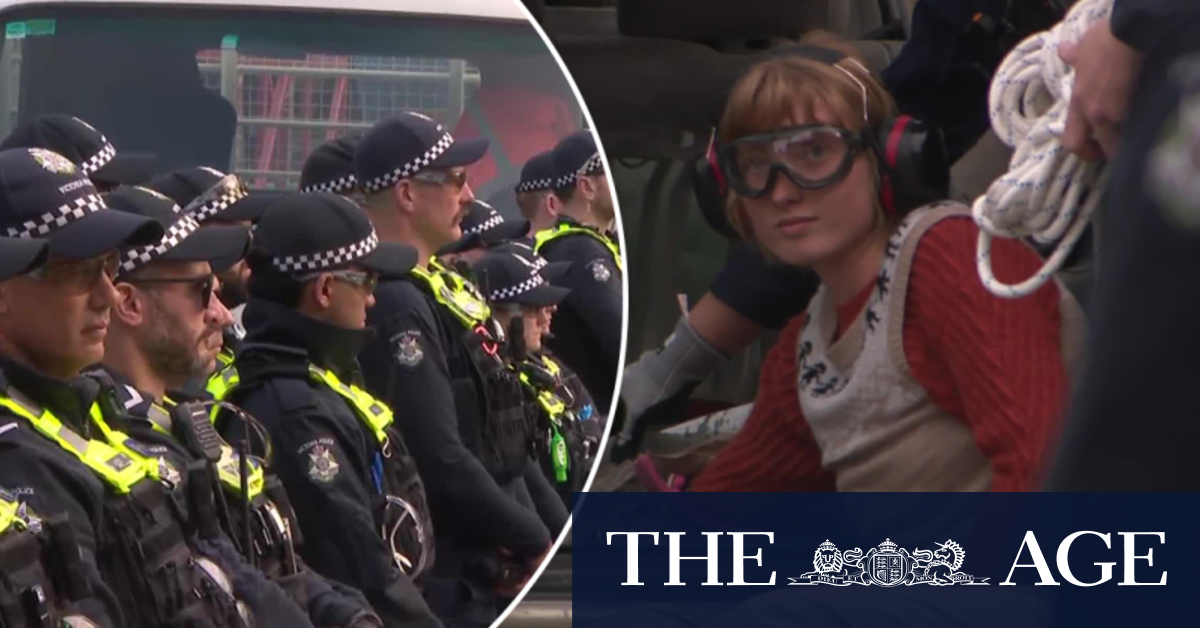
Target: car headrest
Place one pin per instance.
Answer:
(663, 87)
(712, 20)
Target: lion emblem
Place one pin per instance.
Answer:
(828, 561)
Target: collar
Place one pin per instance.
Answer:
(571, 222)
(326, 346)
(68, 400)
(130, 403)
(605, 234)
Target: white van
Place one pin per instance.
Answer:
(253, 86)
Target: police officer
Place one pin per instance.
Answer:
(53, 323)
(215, 198)
(439, 356)
(165, 329)
(587, 329)
(86, 147)
(315, 262)
(517, 286)
(483, 227)
(535, 192)
(42, 580)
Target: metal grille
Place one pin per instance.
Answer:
(287, 107)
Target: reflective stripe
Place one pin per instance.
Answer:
(454, 292)
(372, 412)
(117, 469)
(551, 366)
(555, 409)
(225, 357)
(121, 442)
(549, 401)
(221, 384)
(8, 515)
(562, 230)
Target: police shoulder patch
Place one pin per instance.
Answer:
(600, 270)
(407, 348)
(321, 465)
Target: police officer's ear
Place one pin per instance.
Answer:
(403, 195)
(130, 307)
(587, 187)
(553, 204)
(320, 291)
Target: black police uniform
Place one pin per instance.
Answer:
(514, 276)
(332, 467)
(345, 467)
(438, 356)
(466, 422)
(42, 579)
(587, 326)
(564, 410)
(50, 480)
(121, 517)
(169, 432)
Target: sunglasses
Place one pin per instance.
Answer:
(454, 178)
(79, 274)
(366, 280)
(812, 156)
(204, 285)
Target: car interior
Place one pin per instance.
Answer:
(653, 76)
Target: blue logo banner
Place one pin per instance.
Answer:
(700, 560)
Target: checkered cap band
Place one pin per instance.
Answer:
(564, 181)
(493, 221)
(536, 185)
(100, 159)
(143, 255)
(512, 292)
(593, 165)
(219, 204)
(59, 218)
(327, 259)
(342, 184)
(413, 167)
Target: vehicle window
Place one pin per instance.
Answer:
(254, 91)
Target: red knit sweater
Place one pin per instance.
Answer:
(994, 363)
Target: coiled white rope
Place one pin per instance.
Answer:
(1048, 193)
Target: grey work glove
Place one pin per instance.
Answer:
(662, 380)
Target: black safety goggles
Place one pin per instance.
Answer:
(812, 156)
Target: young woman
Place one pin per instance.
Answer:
(904, 373)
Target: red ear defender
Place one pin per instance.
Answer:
(890, 160)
